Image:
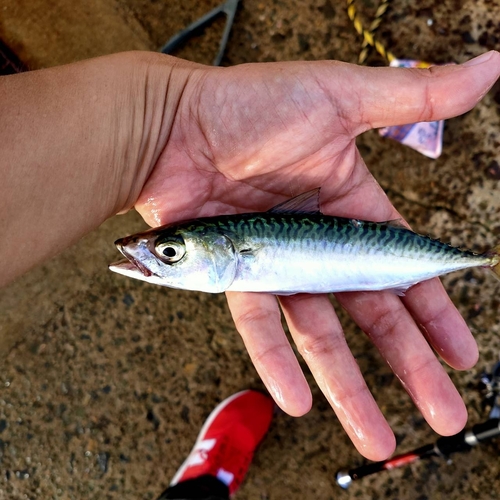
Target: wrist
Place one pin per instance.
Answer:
(151, 104)
(80, 142)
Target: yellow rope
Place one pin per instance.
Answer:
(382, 8)
(369, 39)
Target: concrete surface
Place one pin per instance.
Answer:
(104, 381)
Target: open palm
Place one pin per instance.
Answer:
(246, 138)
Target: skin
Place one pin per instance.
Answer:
(179, 140)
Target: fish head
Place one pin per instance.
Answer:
(189, 258)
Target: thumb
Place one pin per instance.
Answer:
(397, 96)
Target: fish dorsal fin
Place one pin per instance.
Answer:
(305, 203)
(396, 223)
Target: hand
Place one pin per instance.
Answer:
(246, 138)
(182, 140)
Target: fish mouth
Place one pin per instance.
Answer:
(129, 266)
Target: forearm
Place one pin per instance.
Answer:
(76, 145)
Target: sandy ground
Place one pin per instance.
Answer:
(105, 381)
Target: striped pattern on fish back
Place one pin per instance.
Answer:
(331, 233)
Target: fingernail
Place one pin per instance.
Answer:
(479, 59)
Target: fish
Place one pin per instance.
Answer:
(292, 248)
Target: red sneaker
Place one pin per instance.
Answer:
(226, 443)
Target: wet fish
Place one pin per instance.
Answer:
(292, 248)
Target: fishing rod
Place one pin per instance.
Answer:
(444, 446)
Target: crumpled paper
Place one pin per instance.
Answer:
(424, 137)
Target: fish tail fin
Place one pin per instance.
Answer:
(495, 258)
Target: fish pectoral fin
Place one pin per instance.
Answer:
(305, 203)
(248, 250)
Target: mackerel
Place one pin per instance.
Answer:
(292, 248)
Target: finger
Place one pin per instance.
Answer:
(258, 319)
(398, 96)
(318, 335)
(392, 329)
(442, 324)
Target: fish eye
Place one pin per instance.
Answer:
(170, 251)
